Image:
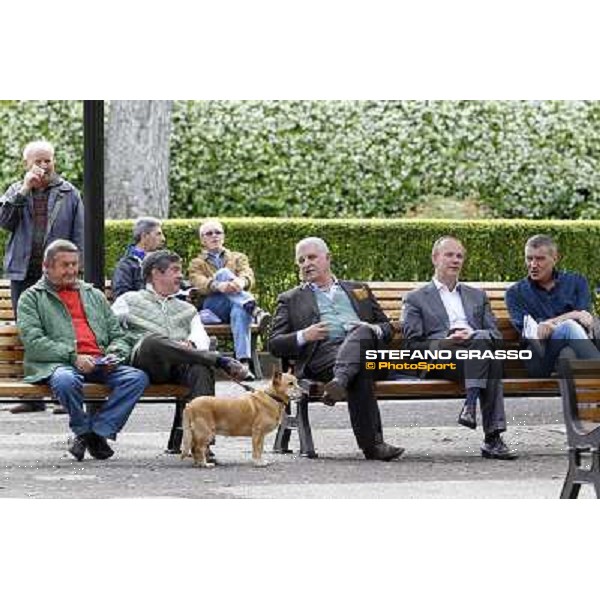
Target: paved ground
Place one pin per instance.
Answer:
(442, 460)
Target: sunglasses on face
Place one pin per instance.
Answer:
(213, 232)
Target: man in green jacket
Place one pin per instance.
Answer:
(70, 337)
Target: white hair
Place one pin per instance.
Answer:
(37, 145)
(208, 224)
(312, 241)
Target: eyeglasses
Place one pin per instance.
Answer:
(213, 232)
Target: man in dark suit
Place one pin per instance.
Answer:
(323, 325)
(448, 315)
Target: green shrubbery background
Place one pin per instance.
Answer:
(351, 158)
(378, 249)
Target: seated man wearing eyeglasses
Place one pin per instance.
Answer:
(223, 279)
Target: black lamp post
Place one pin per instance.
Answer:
(93, 191)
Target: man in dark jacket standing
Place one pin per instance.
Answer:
(36, 211)
(147, 237)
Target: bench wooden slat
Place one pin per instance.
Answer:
(16, 388)
(423, 387)
(591, 414)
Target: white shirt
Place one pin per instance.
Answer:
(453, 304)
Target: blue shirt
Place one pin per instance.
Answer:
(570, 292)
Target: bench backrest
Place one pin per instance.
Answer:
(390, 295)
(11, 353)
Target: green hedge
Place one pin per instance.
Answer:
(377, 249)
(393, 249)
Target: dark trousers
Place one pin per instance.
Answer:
(343, 361)
(167, 361)
(17, 288)
(485, 374)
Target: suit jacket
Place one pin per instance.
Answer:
(425, 317)
(297, 309)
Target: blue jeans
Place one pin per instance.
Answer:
(568, 339)
(230, 309)
(126, 384)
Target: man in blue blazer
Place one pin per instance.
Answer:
(448, 315)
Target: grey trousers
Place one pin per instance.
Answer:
(485, 374)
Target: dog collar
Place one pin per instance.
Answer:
(249, 388)
(276, 398)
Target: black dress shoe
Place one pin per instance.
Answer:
(468, 416)
(98, 447)
(334, 392)
(498, 450)
(383, 451)
(78, 445)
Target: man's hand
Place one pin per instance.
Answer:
(85, 363)
(318, 331)
(237, 284)
(186, 343)
(33, 179)
(545, 329)
(585, 318)
(460, 334)
(227, 287)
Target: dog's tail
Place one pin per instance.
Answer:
(186, 444)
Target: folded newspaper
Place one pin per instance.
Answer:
(530, 332)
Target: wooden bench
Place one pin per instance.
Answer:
(13, 389)
(390, 296)
(220, 331)
(580, 391)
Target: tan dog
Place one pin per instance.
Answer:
(254, 415)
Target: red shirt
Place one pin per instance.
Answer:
(86, 339)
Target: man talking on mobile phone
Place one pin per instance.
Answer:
(37, 210)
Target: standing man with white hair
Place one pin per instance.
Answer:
(37, 210)
(147, 237)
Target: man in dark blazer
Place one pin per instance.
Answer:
(448, 315)
(323, 325)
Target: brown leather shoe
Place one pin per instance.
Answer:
(27, 407)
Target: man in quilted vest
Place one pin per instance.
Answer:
(168, 338)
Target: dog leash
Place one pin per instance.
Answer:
(249, 388)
